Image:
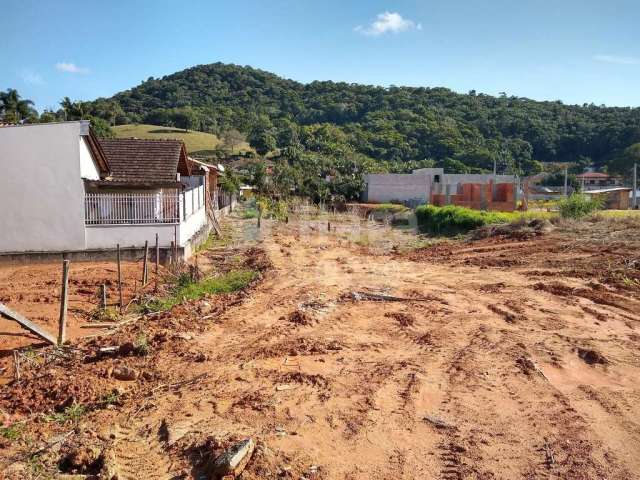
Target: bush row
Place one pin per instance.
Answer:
(451, 219)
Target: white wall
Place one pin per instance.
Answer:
(88, 167)
(108, 236)
(191, 201)
(192, 225)
(41, 190)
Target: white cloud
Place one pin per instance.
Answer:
(31, 77)
(388, 22)
(617, 59)
(71, 68)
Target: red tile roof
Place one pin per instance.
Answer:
(144, 162)
(593, 175)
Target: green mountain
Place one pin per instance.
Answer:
(394, 129)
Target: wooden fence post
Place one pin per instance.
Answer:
(144, 263)
(62, 324)
(119, 276)
(103, 296)
(157, 259)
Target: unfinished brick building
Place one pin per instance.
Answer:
(433, 186)
(479, 196)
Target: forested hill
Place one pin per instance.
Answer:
(395, 128)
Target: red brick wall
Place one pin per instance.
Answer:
(471, 197)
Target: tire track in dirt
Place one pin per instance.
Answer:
(136, 456)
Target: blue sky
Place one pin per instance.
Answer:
(577, 51)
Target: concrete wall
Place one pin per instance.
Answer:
(396, 187)
(189, 227)
(41, 189)
(108, 236)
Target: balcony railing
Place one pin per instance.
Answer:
(131, 208)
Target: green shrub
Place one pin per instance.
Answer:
(578, 205)
(451, 219)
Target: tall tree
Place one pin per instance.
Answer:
(16, 109)
(232, 139)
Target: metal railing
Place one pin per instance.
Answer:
(131, 208)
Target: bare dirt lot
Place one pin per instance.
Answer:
(356, 358)
(34, 291)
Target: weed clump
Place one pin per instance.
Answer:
(578, 205)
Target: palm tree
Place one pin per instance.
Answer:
(14, 108)
(67, 106)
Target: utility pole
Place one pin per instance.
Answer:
(566, 174)
(634, 203)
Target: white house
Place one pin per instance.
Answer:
(66, 191)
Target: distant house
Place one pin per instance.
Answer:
(596, 180)
(615, 198)
(434, 186)
(66, 191)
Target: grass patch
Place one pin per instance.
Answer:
(193, 140)
(451, 219)
(390, 208)
(249, 213)
(198, 143)
(185, 290)
(633, 214)
(12, 432)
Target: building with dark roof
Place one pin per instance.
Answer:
(69, 191)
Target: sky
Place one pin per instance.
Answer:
(577, 51)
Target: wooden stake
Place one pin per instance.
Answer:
(62, 324)
(103, 296)
(119, 276)
(16, 366)
(144, 263)
(157, 259)
(175, 244)
(197, 270)
(328, 226)
(259, 217)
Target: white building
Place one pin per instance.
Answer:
(65, 191)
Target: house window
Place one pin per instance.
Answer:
(436, 178)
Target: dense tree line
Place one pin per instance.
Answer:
(396, 126)
(339, 130)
